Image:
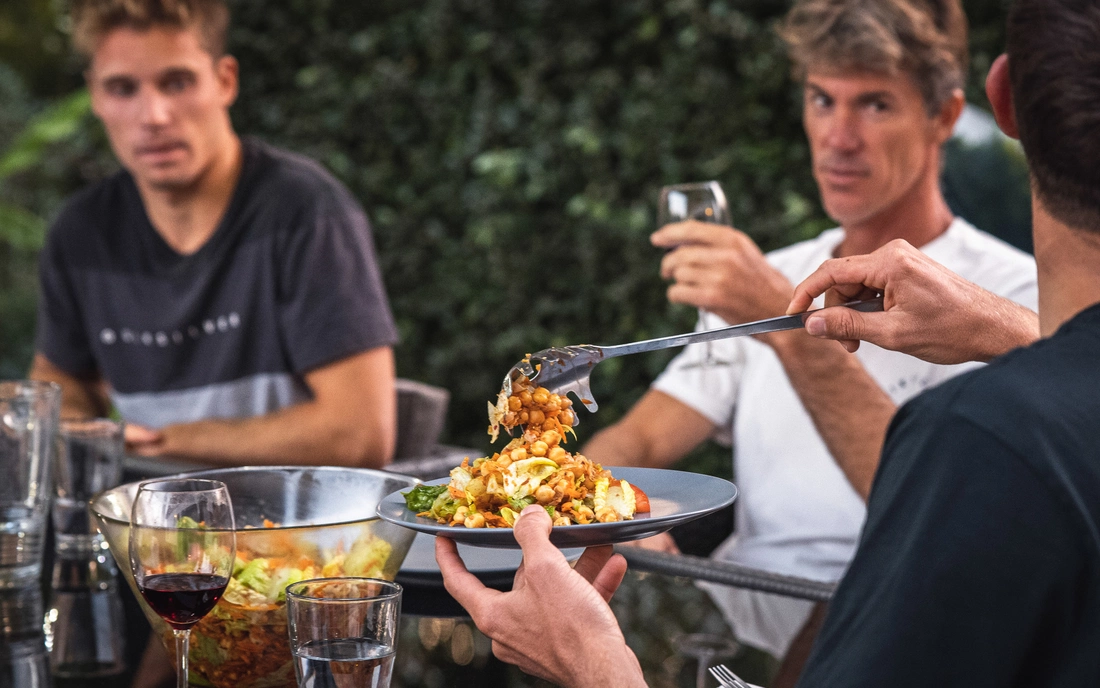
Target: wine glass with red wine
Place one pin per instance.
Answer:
(182, 547)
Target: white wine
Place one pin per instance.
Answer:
(344, 663)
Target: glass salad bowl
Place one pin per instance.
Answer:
(293, 523)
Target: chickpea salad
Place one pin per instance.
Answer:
(534, 468)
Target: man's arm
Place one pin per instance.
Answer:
(80, 397)
(721, 270)
(657, 431)
(555, 623)
(929, 311)
(351, 421)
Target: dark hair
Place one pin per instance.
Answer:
(94, 19)
(1054, 67)
(924, 38)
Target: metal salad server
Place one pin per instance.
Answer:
(567, 368)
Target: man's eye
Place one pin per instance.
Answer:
(121, 89)
(176, 84)
(877, 106)
(821, 101)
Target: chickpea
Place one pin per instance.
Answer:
(553, 405)
(514, 403)
(460, 514)
(562, 521)
(518, 454)
(585, 512)
(566, 402)
(536, 417)
(544, 494)
(504, 462)
(566, 417)
(525, 397)
(557, 455)
(523, 417)
(607, 515)
(541, 396)
(551, 438)
(539, 448)
(475, 520)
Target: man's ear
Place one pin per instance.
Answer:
(949, 114)
(998, 88)
(228, 70)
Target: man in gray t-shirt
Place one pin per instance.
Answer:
(222, 294)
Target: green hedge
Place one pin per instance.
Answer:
(510, 153)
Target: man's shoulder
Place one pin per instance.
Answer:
(286, 177)
(1037, 402)
(85, 213)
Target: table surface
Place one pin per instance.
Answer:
(435, 651)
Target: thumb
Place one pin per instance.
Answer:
(532, 527)
(842, 324)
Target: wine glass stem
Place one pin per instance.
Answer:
(183, 642)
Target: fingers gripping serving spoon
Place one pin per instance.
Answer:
(566, 369)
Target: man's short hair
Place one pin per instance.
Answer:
(923, 38)
(92, 20)
(1054, 67)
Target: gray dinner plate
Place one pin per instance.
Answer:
(675, 497)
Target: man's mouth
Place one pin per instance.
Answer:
(161, 151)
(839, 174)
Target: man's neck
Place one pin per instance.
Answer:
(921, 216)
(187, 217)
(1067, 261)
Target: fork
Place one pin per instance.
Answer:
(567, 368)
(726, 677)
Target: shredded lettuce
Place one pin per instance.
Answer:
(421, 497)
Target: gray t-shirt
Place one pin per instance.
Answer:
(288, 282)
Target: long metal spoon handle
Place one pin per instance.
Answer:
(783, 322)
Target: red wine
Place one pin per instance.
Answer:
(182, 599)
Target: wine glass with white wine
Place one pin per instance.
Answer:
(703, 202)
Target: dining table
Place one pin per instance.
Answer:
(658, 606)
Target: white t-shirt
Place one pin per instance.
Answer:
(797, 514)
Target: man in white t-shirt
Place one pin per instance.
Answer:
(882, 91)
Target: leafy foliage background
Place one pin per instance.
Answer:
(509, 154)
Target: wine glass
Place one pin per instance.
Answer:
(182, 547)
(705, 648)
(701, 201)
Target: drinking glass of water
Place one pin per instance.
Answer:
(88, 461)
(343, 631)
(28, 422)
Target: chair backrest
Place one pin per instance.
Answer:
(421, 412)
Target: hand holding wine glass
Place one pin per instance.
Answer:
(182, 548)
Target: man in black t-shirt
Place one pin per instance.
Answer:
(979, 564)
(223, 295)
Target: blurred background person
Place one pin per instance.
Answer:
(882, 84)
(222, 294)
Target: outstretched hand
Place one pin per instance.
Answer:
(555, 623)
(928, 311)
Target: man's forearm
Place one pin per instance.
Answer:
(300, 434)
(848, 408)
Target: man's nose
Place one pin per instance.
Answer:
(843, 131)
(156, 109)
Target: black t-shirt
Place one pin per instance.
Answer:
(979, 564)
(288, 282)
